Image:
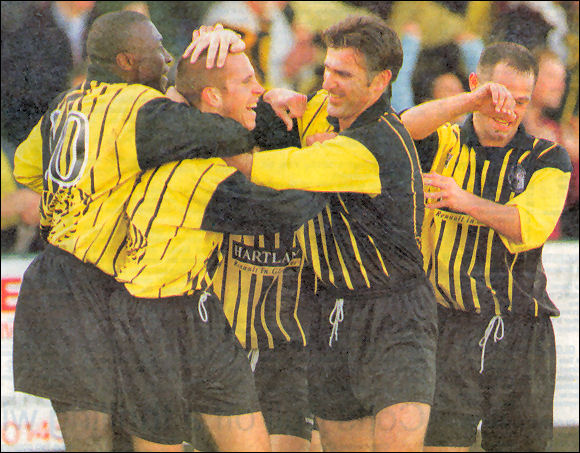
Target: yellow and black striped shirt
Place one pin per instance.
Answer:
(472, 267)
(86, 152)
(177, 213)
(258, 283)
(367, 237)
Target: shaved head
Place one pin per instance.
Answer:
(112, 34)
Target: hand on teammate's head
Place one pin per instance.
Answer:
(218, 42)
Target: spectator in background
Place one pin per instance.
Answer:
(303, 67)
(539, 121)
(439, 73)
(437, 29)
(42, 55)
(266, 31)
(531, 24)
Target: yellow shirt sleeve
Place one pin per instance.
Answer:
(8, 187)
(341, 164)
(28, 161)
(539, 206)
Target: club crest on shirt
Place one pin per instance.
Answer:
(448, 159)
(517, 178)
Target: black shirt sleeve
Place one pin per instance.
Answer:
(427, 149)
(166, 131)
(271, 132)
(241, 207)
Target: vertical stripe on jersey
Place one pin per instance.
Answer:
(313, 245)
(511, 279)
(548, 149)
(152, 218)
(255, 302)
(325, 244)
(279, 285)
(523, 156)
(356, 251)
(186, 210)
(298, 299)
(231, 291)
(470, 270)
(412, 165)
(379, 256)
(345, 273)
(463, 164)
(100, 141)
(279, 278)
(263, 316)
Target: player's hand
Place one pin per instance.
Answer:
(218, 41)
(287, 104)
(175, 95)
(320, 137)
(494, 99)
(29, 206)
(449, 195)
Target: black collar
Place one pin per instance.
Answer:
(522, 140)
(371, 114)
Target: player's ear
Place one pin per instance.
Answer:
(212, 96)
(381, 80)
(473, 81)
(125, 61)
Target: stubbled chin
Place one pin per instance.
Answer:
(163, 82)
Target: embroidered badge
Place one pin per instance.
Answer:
(517, 178)
(448, 159)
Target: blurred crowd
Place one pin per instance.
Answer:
(43, 54)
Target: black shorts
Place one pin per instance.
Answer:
(172, 363)
(282, 384)
(384, 354)
(280, 376)
(62, 332)
(513, 397)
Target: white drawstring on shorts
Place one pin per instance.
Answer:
(253, 357)
(336, 317)
(201, 306)
(487, 334)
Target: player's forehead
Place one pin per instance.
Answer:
(238, 66)
(345, 59)
(520, 84)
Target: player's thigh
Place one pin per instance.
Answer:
(401, 427)
(84, 430)
(245, 432)
(351, 435)
(282, 442)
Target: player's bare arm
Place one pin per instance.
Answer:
(491, 99)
